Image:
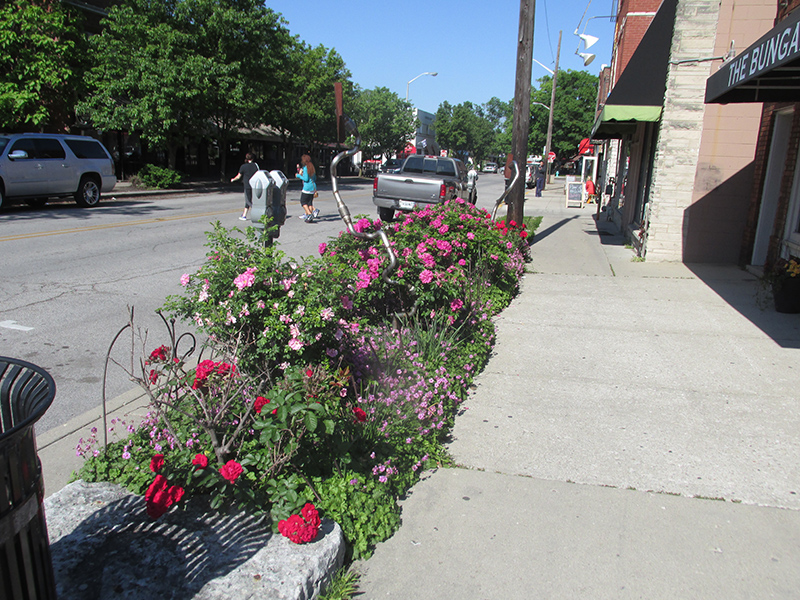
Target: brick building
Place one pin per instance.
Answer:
(684, 170)
(765, 72)
(633, 19)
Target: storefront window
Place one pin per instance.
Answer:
(791, 238)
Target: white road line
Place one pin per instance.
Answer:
(14, 325)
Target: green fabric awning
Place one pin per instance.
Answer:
(630, 112)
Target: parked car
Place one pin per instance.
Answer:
(38, 166)
(422, 180)
(392, 165)
(490, 167)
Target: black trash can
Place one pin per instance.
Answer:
(26, 568)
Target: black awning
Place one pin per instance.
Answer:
(638, 95)
(768, 71)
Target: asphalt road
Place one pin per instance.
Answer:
(69, 275)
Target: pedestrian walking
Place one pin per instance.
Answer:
(539, 180)
(308, 175)
(246, 171)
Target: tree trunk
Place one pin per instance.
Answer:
(222, 140)
(172, 155)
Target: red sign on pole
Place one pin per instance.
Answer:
(551, 157)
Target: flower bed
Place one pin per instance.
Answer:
(305, 401)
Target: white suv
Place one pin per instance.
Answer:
(38, 166)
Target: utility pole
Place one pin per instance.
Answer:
(552, 110)
(522, 106)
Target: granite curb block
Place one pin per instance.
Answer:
(105, 546)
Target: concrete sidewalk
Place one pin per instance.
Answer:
(636, 434)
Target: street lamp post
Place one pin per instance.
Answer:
(550, 120)
(433, 74)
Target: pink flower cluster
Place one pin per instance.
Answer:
(245, 279)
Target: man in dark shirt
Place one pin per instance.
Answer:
(246, 171)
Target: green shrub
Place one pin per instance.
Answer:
(152, 176)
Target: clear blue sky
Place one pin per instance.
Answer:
(471, 44)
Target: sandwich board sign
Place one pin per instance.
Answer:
(575, 194)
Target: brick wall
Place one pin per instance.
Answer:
(630, 29)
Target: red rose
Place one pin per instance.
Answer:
(159, 353)
(156, 463)
(200, 461)
(298, 530)
(209, 367)
(160, 496)
(310, 515)
(153, 376)
(201, 372)
(231, 470)
(523, 234)
(309, 372)
(260, 403)
(291, 528)
(360, 415)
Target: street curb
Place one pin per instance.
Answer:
(58, 464)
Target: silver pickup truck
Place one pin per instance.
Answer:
(422, 180)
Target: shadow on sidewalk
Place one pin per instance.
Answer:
(745, 293)
(607, 231)
(539, 236)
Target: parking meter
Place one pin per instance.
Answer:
(269, 198)
(279, 197)
(472, 179)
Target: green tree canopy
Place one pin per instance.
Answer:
(305, 104)
(576, 98)
(465, 130)
(385, 121)
(40, 71)
(500, 115)
(174, 69)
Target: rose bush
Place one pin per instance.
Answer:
(308, 394)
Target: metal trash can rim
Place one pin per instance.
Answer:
(40, 408)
